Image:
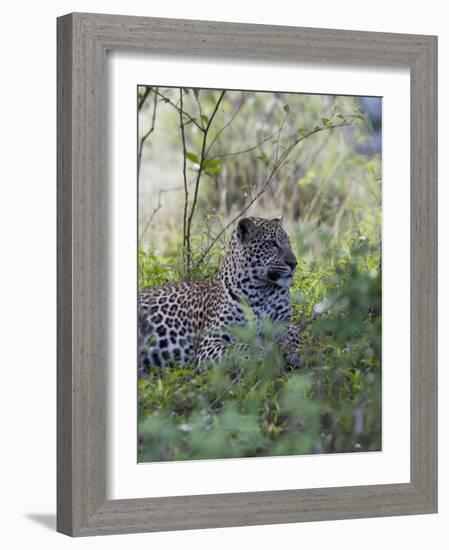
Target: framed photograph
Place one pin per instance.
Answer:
(247, 274)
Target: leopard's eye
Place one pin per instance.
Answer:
(273, 243)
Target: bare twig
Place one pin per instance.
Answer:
(198, 178)
(279, 133)
(146, 135)
(276, 167)
(185, 243)
(252, 148)
(200, 109)
(157, 208)
(170, 102)
(143, 98)
(230, 121)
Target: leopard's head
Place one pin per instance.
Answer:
(264, 254)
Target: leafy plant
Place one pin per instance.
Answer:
(226, 154)
(258, 405)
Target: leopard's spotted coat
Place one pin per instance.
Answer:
(180, 322)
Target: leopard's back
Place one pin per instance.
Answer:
(170, 318)
(188, 321)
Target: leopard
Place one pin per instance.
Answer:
(188, 321)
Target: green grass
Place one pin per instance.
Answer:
(260, 406)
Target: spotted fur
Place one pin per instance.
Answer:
(187, 321)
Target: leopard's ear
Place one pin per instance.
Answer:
(279, 219)
(246, 229)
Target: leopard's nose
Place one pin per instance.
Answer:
(291, 262)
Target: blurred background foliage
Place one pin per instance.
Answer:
(317, 161)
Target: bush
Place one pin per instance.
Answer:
(260, 406)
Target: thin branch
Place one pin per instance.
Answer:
(198, 177)
(199, 106)
(146, 136)
(230, 121)
(279, 132)
(186, 245)
(143, 98)
(235, 153)
(169, 101)
(276, 167)
(157, 208)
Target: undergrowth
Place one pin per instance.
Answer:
(260, 406)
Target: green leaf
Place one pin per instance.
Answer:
(212, 166)
(308, 178)
(213, 163)
(192, 157)
(286, 108)
(196, 92)
(213, 170)
(205, 119)
(325, 121)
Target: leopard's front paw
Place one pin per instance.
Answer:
(291, 346)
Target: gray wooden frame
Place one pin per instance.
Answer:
(83, 40)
